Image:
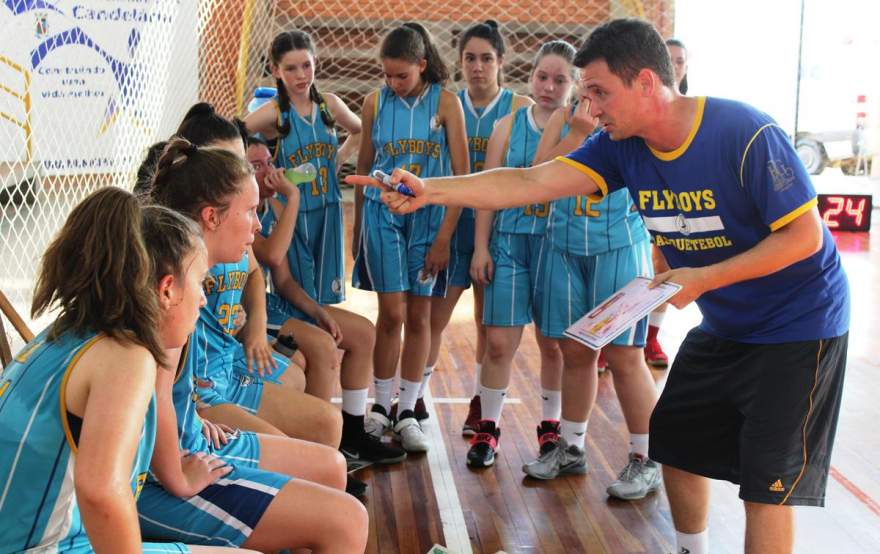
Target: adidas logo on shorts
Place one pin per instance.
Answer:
(777, 486)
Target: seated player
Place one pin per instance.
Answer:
(77, 413)
(290, 307)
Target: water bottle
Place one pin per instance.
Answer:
(261, 96)
(304, 173)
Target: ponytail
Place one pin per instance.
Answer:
(147, 169)
(202, 125)
(412, 42)
(283, 124)
(98, 273)
(318, 98)
(189, 177)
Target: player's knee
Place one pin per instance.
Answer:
(327, 347)
(625, 360)
(576, 357)
(326, 466)
(341, 470)
(328, 422)
(497, 348)
(359, 521)
(551, 352)
(418, 319)
(350, 523)
(390, 321)
(360, 334)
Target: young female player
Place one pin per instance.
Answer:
(507, 263)
(481, 54)
(77, 412)
(594, 247)
(411, 122)
(356, 445)
(679, 55)
(304, 121)
(254, 506)
(229, 392)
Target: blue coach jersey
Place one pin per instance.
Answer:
(38, 444)
(310, 140)
(479, 123)
(406, 134)
(734, 180)
(587, 226)
(522, 145)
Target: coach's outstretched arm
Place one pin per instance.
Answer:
(490, 190)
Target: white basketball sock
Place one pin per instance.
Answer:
(551, 404)
(573, 432)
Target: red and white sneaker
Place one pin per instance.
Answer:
(484, 445)
(548, 435)
(472, 422)
(601, 363)
(654, 354)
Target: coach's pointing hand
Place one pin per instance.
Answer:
(396, 202)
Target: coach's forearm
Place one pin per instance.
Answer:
(489, 190)
(796, 241)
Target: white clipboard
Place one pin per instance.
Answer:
(620, 312)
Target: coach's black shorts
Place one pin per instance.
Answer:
(759, 415)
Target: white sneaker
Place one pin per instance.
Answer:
(638, 478)
(409, 432)
(377, 423)
(559, 458)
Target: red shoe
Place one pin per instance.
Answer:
(484, 445)
(420, 411)
(654, 354)
(548, 435)
(472, 422)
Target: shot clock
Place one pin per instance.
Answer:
(846, 212)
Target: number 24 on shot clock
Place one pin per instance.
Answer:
(846, 212)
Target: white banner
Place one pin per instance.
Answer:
(91, 79)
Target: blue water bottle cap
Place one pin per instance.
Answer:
(261, 96)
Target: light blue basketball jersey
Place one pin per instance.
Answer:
(587, 226)
(406, 134)
(522, 144)
(479, 123)
(186, 399)
(38, 446)
(315, 257)
(311, 141)
(223, 290)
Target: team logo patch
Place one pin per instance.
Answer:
(245, 380)
(435, 123)
(781, 174)
(139, 486)
(427, 279)
(682, 225)
(336, 286)
(41, 28)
